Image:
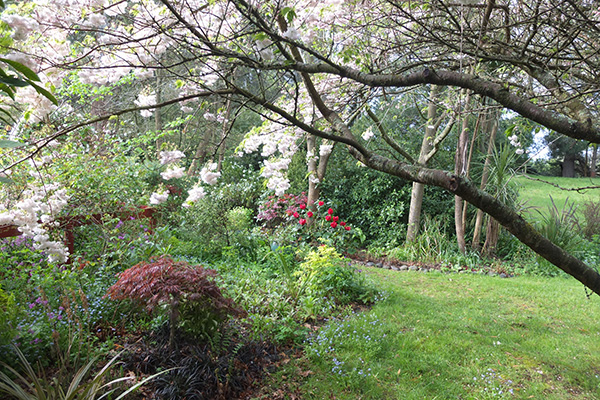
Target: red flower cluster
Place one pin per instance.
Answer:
(333, 219)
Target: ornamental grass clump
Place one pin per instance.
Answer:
(192, 298)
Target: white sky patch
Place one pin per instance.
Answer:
(539, 150)
(508, 114)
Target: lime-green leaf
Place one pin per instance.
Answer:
(22, 69)
(288, 13)
(508, 132)
(260, 36)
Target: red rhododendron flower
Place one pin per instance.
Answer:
(302, 206)
(309, 214)
(321, 203)
(336, 218)
(347, 228)
(296, 215)
(328, 218)
(302, 221)
(342, 223)
(333, 224)
(330, 211)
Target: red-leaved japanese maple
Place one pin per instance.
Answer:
(161, 280)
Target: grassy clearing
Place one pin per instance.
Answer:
(537, 194)
(459, 336)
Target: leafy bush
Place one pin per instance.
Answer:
(222, 219)
(120, 244)
(326, 273)
(188, 292)
(8, 317)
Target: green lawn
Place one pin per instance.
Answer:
(536, 194)
(454, 336)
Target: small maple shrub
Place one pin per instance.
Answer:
(184, 288)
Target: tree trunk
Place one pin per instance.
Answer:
(492, 235)
(173, 321)
(316, 173)
(460, 167)
(416, 196)
(224, 133)
(492, 127)
(200, 154)
(594, 161)
(313, 187)
(414, 213)
(568, 166)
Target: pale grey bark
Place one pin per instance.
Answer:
(418, 189)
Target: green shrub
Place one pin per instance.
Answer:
(8, 317)
(221, 221)
(326, 273)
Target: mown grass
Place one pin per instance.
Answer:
(537, 195)
(454, 336)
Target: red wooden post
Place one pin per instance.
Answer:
(70, 241)
(9, 231)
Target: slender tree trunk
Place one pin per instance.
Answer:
(316, 173)
(493, 123)
(311, 161)
(200, 155)
(568, 166)
(224, 132)
(418, 189)
(460, 165)
(594, 161)
(173, 321)
(492, 234)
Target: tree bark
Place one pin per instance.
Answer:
(460, 168)
(311, 164)
(594, 161)
(224, 132)
(200, 154)
(418, 189)
(493, 123)
(158, 124)
(316, 173)
(568, 166)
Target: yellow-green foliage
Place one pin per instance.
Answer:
(318, 261)
(325, 273)
(8, 315)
